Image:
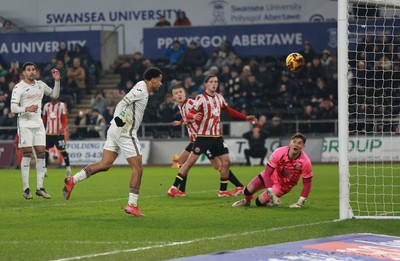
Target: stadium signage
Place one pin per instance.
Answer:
(87, 152)
(246, 40)
(40, 47)
(363, 149)
(136, 15)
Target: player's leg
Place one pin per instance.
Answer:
(224, 179)
(134, 185)
(39, 144)
(182, 159)
(256, 184)
(46, 151)
(183, 171)
(270, 199)
(41, 172)
(25, 144)
(247, 156)
(60, 145)
(216, 163)
(104, 164)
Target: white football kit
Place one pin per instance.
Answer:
(30, 125)
(131, 110)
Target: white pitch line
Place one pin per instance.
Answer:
(190, 241)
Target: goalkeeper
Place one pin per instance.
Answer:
(283, 170)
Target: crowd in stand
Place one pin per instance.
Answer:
(253, 85)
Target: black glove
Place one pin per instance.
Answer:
(119, 122)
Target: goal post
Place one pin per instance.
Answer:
(369, 108)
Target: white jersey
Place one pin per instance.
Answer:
(131, 108)
(26, 95)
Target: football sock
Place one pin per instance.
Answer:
(25, 166)
(81, 175)
(178, 180)
(223, 185)
(247, 195)
(47, 154)
(66, 158)
(68, 168)
(234, 180)
(40, 169)
(132, 199)
(182, 186)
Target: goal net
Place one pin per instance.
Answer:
(369, 107)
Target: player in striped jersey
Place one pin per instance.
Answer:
(55, 118)
(122, 138)
(26, 100)
(207, 111)
(185, 105)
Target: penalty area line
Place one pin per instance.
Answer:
(114, 252)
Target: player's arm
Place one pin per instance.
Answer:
(234, 113)
(177, 123)
(55, 92)
(129, 98)
(304, 193)
(194, 115)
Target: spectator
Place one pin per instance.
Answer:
(96, 125)
(309, 114)
(190, 87)
(77, 79)
(174, 52)
(80, 122)
(62, 51)
(168, 110)
(99, 102)
(308, 53)
(214, 60)
(234, 89)
(162, 22)
(315, 69)
(115, 96)
(8, 119)
(276, 129)
(256, 139)
(125, 72)
(182, 19)
(136, 63)
(194, 56)
(13, 74)
(8, 27)
(47, 76)
(327, 111)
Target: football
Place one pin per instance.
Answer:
(295, 62)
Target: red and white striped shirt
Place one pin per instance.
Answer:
(55, 117)
(210, 107)
(191, 125)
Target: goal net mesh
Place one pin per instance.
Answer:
(374, 106)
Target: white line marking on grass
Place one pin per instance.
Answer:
(16, 242)
(191, 241)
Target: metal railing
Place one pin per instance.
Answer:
(167, 131)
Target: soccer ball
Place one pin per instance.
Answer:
(295, 62)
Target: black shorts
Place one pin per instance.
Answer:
(55, 140)
(210, 146)
(189, 147)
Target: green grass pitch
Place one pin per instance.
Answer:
(92, 224)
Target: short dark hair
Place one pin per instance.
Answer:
(152, 72)
(299, 135)
(208, 77)
(176, 87)
(28, 64)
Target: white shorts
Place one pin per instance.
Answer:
(122, 143)
(29, 137)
